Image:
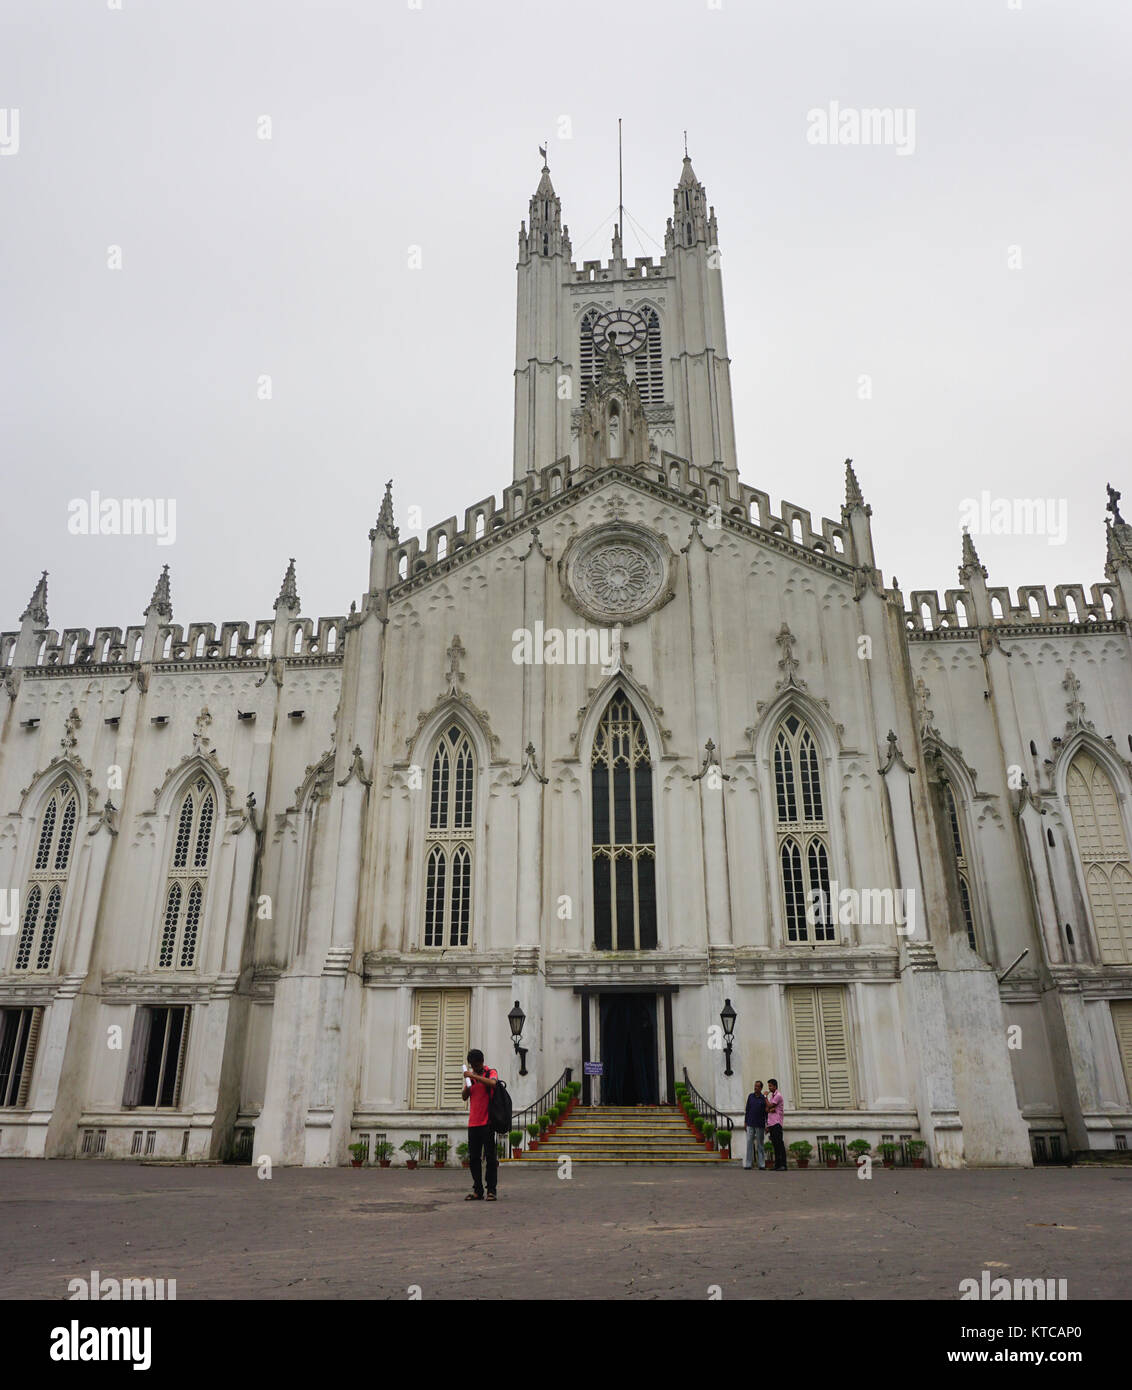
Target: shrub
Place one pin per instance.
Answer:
(358, 1150)
(383, 1149)
(533, 1130)
(516, 1138)
(543, 1122)
(699, 1123)
(801, 1148)
(412, 1147)
(831, 1150)
(461, 1150)
(859, 1146)
(440, 1149)
(915, 1147)
(724, 1137)
(708, 1130)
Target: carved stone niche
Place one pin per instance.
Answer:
(617, 573)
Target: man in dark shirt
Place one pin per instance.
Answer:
(756, 1126)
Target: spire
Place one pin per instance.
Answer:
(545, 221)
(691, 222)
(853, 495)
(971, 563)
(288, 594)
(37, 604)
(161, 603)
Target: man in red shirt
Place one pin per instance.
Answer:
(478, 1081)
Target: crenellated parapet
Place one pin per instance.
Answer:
(928, 614)
(717, 496)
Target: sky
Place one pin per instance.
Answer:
(950, 309)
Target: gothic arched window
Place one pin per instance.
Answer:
(802, 834)
(588, 362)
(1105, 862)
(47, 881)
(624, 842)
(450, 840)
(648, 365)
(962, 864)
(183, 903)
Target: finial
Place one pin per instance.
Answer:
(685, 144)
(288, 594)
(1113, 504)
(161, 603)
(37, 604)
(542, 149)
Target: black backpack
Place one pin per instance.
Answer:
(499, 1108)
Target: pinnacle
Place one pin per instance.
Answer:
(853, 494)
(385, 520)
(161, 603)
(37, 604)
(971, 559)
(288, 593)
(687, 173)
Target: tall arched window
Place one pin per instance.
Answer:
(1103, 848)
(624, 843)
(589, 364)
(802, 834)
(188, 878)
(962, 864)
(47, 882)
(648, 365)
(450, 839)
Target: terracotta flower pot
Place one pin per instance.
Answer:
(831, 1162)
(918, 1163)
(410, 1163)
(725, 1153)
(802, 1162)
(532, 1144)
(464, 1162)
(440, 1163)
(888, 1162)
(384, 1162)
(355, 1163)
(709, 1144)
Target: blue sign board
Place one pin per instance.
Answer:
(591, 1068)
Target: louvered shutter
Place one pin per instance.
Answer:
(426, 1057)
(808, 1087)
(182, 1053)
(835, 1048)
(456, 1008)
(29, 1056)
(139, 1046)
(1122, 1021)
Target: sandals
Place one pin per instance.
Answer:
(491, 1197)
(473, 1197)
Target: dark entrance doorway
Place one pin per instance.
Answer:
(628, 1049)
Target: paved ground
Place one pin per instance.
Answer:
(607, 1232)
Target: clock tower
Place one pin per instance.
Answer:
(664, 318)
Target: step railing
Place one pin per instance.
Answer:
(703, 1107)
(522, 1118)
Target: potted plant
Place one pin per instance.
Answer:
(916, 1149)
(383, 1152)
(858, 1148)
(500, 1149)
(440, 1153)
(411, 1147)
(533, 1132)
(708, 1133)
(831, 1152)
(802, 1149)
(723, 1137)
(544, 1127)
(516, 1138)
(461, 1154)
(359, 1152)
(887, 1152)
(698, 1125)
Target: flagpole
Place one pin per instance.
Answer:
(620, 193)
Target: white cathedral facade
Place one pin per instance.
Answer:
(626, 747)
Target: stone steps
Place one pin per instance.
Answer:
(621, 1134)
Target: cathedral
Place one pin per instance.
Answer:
(631, 774)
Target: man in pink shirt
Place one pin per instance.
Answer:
(478, 1083)
(775, 1106)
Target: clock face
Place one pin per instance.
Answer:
(620, 328)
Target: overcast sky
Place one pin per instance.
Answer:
(394, 126)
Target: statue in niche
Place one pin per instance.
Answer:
(614, 431)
